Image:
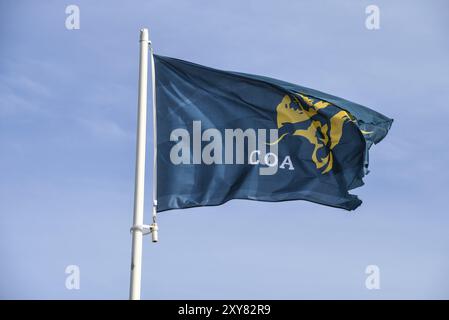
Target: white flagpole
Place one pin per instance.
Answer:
(137, 229)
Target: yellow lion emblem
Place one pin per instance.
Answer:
(303, 116)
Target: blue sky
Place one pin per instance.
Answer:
(68, 101)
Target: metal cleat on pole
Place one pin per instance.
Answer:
(148, 229)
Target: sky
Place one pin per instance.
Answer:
(68, 111)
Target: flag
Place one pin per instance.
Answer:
(226, 135)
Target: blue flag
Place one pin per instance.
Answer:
(226, 135)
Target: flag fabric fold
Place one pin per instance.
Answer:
(226, 135)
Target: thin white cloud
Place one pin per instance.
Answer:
(21, 94)
(105, 128)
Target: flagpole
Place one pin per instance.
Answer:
(137, 229)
